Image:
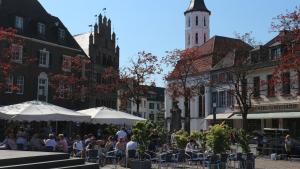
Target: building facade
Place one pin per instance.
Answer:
(46, 41)
(274, 104)
(100, 46)
(151, 106)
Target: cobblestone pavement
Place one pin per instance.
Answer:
(261, 163)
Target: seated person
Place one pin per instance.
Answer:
(92, 145)
(78, 146)
(62, 144)
(110, 144)
(191, 146)
(166, 148)
(36, 143)
(9, 142)
(21, 140)
(120, 147)
(50, 142)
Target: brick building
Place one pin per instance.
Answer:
(100, 46)
(46, 40)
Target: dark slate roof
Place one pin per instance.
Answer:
(197, 5)
(33, 12)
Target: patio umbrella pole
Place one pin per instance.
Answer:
(56, 127)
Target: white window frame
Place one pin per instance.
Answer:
(9, 84)
(61, 34)
(20, 85)
(67, 63)
(41, 28)
(44, 53)
(42, 77)
(17, 53)
(19, 22)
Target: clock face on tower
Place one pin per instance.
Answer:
(197, 30)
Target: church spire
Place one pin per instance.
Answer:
(197, 5)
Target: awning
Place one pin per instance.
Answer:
(273, 115)
(220, 116)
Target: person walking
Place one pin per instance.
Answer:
(288, 146)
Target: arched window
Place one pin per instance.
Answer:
(196, 20)
(204, 37)
(204, 21)
(196, 38)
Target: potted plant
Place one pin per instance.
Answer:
(200, 137)
(142, 132)
(243, 141)
(218, 140)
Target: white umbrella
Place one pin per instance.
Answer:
(104, 115)
(40, 111)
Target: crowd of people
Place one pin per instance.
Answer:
(78, 146)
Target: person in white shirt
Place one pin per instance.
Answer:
(131, 147)
(78, 146)
(122, 134)
(51, 142)
(190, 147)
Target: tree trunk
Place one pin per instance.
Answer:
(245, 120)
(187, 125)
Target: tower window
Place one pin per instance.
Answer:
(189, 39)
(196, 20)
(196, 38)
(204, 21)
(19, 22)
(204, 38)
(189, 22)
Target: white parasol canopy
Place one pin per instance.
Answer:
(104, 115)
(40, 111)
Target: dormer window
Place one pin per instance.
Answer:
(67, 63)
(19, 22)
(41, 28)
(61, 34)
(275, 53)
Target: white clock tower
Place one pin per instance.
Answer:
(197, 29)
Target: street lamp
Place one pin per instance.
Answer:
(214, 113)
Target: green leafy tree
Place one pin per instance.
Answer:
(218, 138)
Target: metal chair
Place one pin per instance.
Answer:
(194, 158)
(92, 156)
(111, 155)
(213, 160)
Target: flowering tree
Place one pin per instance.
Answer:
(72, 82)
(182, 80)
(9, 56)
(288, 27)
(134, 80)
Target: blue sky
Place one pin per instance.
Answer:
(158, 25)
